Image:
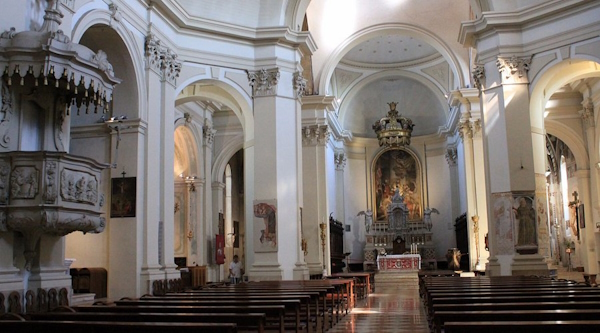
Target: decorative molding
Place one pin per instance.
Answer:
(50, 193)
(299, 84)
(587, 113)
(451, 156)
(4, 173)
(264, 82)
(101, 60)
(315, 135)
(3, 224)
(188, 118)
(514, 69)
(115, 13)
(6, 112)
(161, 59)
(478, 75)
(340, 160)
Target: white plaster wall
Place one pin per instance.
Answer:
(355, 177)
(440, 198)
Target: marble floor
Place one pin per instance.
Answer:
(389, 309)
(399, 309)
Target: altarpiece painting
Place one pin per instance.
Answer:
(397, 168)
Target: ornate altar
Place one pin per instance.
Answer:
(393, 238)
(399, 262)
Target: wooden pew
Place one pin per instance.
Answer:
(309, 298)
(546, 326)
(271, 311)
(441, 317)
(113, 327)
(292, 305)
(244, 321)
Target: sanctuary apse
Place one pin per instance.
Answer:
(248, 124)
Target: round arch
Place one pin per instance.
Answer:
(188, 138)
(390, 29)
(220, 162)
(223, 93)
(572, 139)
(104, 17)
(554, 76)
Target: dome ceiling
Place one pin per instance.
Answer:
(414, 100)
(408, 70)
(390, 49)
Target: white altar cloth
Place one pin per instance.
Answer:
(399, 262)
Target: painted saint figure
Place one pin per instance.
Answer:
(526, 216)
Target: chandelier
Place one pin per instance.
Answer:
(393, 130)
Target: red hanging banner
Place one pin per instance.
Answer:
(220, 249)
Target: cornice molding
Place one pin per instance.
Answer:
(470, 30)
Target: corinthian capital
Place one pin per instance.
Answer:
(162, 59)
(514, 69)
(264, 82)
(587, 113)
(451, 156)
(315, 134)
(478, 76)
(208, 132)
(340, 160)
(299, 84)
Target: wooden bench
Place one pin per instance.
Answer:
(309, 299)
(244, 321)
(271, 311)
(542, 326)
(441, 317)
(113, 327)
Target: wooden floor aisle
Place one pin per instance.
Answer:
(389, 309)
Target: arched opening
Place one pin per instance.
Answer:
(187, 211)
(90, 137)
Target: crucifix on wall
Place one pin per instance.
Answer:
(575, 207)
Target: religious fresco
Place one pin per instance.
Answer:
(525, 221)
(265, 222)
(397, 168)
(502, 204)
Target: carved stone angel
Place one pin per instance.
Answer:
(368, 218)
(427, 217)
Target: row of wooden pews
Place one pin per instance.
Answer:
(508, 304)
(307, 306)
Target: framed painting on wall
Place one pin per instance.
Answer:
(123, 196)
(397, 168)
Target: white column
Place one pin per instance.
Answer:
(277, 175)
(158, 189)
(588, 196)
